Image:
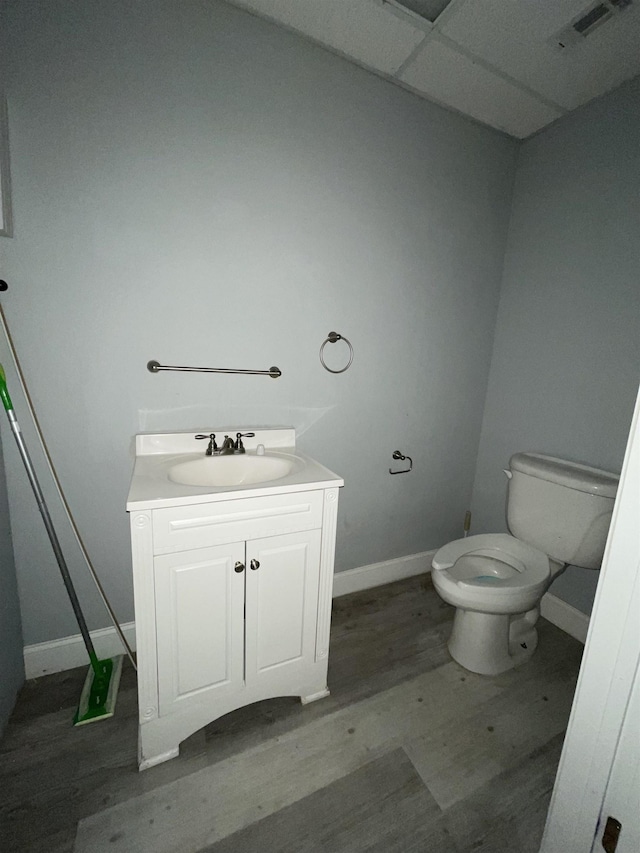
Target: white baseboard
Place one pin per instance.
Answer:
(69, 652)
(569, 619)
(377, 574)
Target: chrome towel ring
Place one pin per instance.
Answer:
(332, 337)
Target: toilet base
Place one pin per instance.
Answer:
(490, 643)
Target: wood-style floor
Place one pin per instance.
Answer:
(409, 753)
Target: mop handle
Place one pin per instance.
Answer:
(44, 512)
(61, 495)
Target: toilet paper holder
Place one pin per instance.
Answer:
(398, 455)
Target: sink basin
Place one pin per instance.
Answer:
(242, 470)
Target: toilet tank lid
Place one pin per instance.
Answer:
(583, 478)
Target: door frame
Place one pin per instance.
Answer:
(611, 656)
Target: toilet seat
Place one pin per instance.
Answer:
(492, 573)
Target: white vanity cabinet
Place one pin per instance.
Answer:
(235, 614)
(232, 604)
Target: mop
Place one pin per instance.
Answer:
(98, 697)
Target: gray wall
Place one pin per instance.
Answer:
(565, 368)
(11, 660)
(192, 184)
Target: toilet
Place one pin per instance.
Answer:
(558, 513)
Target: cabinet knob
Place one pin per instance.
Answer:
(254, 564)
(239, 567)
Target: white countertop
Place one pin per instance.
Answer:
(156, 454)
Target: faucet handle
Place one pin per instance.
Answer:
(239, 446)
(212, 442)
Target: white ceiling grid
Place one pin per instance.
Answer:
(492, 60)
(455, 80)
(516, 37)
(359, 29)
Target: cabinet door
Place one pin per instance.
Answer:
(281, 604)
(199, 624)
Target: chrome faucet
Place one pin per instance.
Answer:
(228, 447)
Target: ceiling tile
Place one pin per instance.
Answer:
(361, 29)
(453, 79)
(515, 37)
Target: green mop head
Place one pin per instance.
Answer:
(99, 693)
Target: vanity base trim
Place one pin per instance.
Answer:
(145, 764)
(313, 697)
(159, 739)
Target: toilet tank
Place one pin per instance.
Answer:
(563, 508)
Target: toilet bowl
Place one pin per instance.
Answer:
(559, 514)
(496, 582)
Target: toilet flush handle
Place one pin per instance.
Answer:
(508, 472)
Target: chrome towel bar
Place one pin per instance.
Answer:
(156, 367)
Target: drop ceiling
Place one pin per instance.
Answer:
(500, 62)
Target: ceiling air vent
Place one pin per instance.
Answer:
(588, 21)
(595, 16)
